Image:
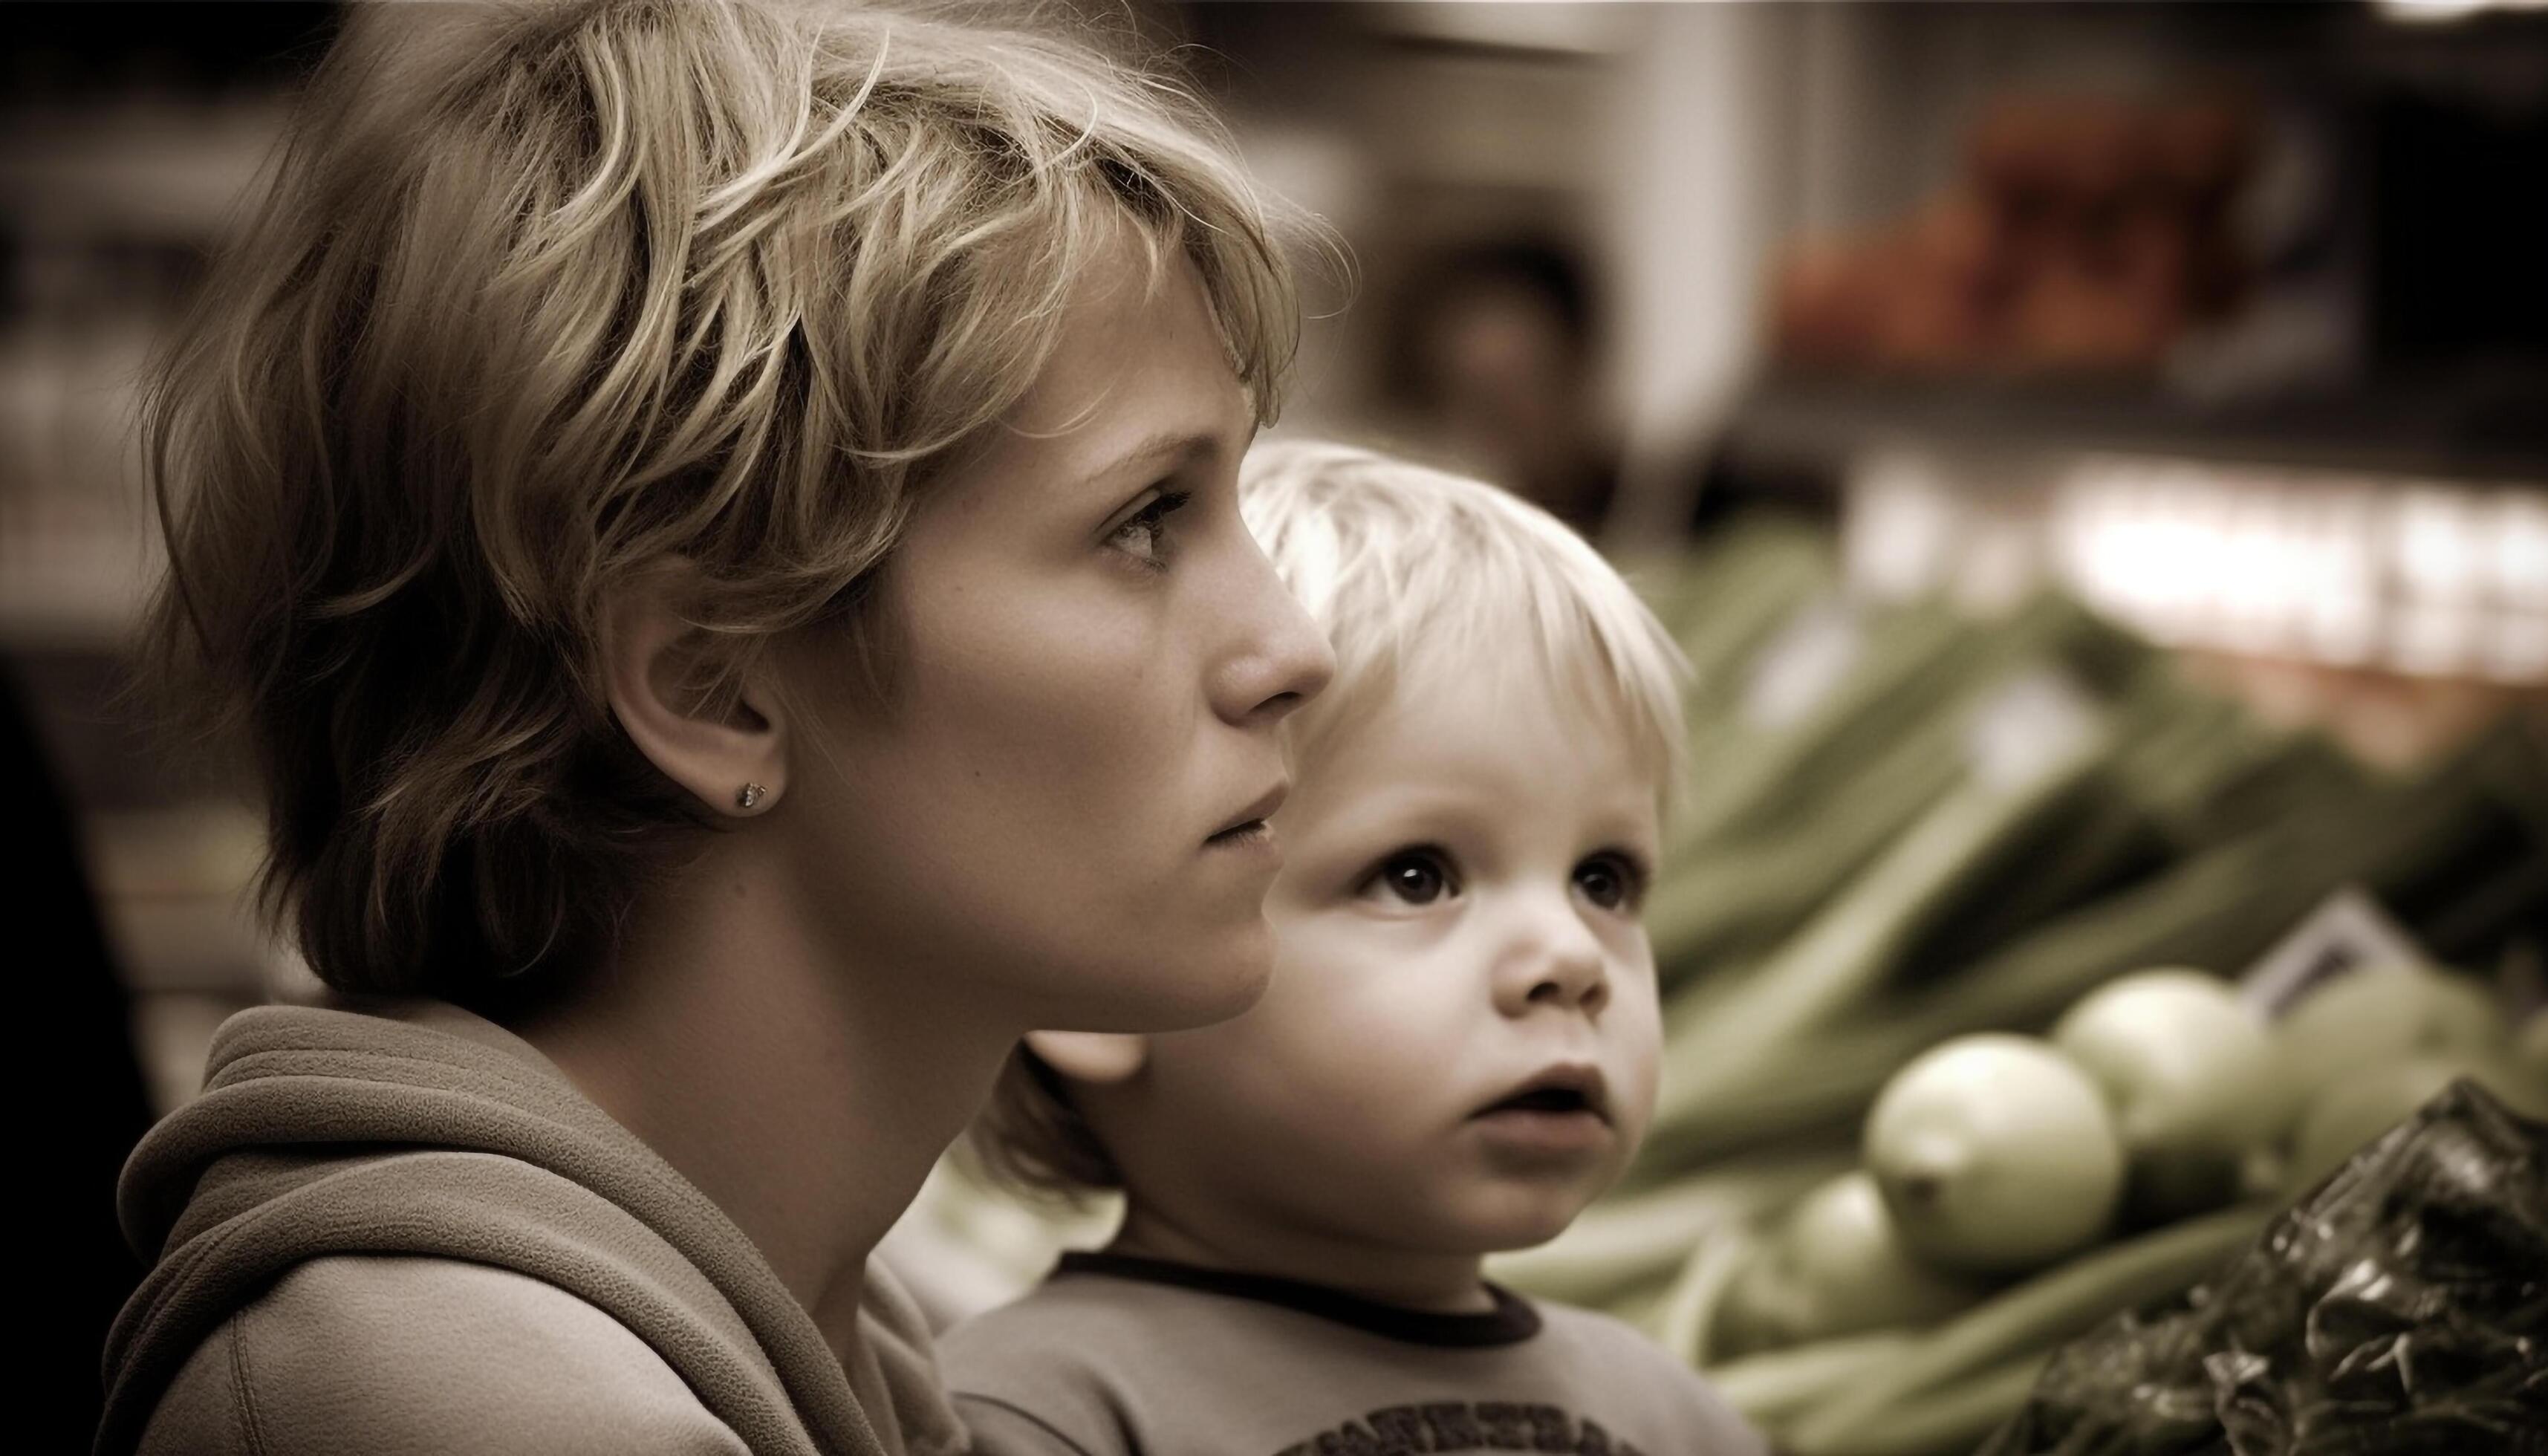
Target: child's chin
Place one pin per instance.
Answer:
(1529, 1224)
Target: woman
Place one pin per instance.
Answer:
(719, 523)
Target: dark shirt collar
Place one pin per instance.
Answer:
(1511, 1321)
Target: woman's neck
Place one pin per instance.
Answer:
(808, 1099)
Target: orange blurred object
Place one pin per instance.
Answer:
(2086, 233)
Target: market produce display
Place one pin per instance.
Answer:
(1958, 1062)
(2401, 1307)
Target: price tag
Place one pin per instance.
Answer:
(2347, 932)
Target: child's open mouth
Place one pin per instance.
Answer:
(1546, 1099)
(1562, 1110)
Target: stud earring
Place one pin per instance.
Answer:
(749, 795)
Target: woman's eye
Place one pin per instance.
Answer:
(1414, 877)
(1143, 535)
(1611, 881)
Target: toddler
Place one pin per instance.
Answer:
(1458, 1052)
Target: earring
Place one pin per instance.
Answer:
(749, 795)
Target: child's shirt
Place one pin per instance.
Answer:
(1116, 1355)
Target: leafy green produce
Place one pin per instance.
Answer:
(1765, 755)
(1847, 949)
(1628, 1243)
(2397, 1307)
(1951, 1417)
(1691, 1311)
(2034, 1316)
(1777, 1385)
(2139, 813)
(2222, 907)
(1733, 894)
(2489, 907)
(1777, 754)
(1732, 1084)
(1727, 600)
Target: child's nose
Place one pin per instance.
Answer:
(1578, 985)
(1560, 965)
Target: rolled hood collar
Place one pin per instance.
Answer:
(418, 1129)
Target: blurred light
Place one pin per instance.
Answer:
(2518, 649)
(2519, 538)
(2256, 593)
(2421, 576)
(2437, 542)
(2434, 638)
(2443, 12)
(1902, 525)
(1578, 28)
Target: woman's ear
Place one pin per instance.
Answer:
(1101, 1057)
(729, 749)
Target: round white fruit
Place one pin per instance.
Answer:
(2380, 1016)
(2350, 1114)
(1842, 1254)
(2193, 1079)
(1996, 1155)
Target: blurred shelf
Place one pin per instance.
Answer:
(146, 168)
(2496, 432)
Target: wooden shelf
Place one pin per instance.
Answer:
(2495, 432)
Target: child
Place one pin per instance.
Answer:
(1459, 1051)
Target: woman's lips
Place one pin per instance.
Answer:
(1249, 829)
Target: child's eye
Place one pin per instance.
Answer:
(1613, 879)
(1417, 877)
(1143, 534)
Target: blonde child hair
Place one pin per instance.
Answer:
(544, 296)
(1410, 572)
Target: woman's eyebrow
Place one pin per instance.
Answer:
(1154, 452)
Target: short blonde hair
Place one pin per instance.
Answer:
(1410, 572)
(545, 294)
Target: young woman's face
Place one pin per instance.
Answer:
(1055, 814)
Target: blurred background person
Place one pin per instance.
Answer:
(1496, 362)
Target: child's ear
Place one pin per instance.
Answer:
(1100, 1057)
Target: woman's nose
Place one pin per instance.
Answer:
(1283, 660)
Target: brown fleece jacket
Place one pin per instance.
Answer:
(403, 1229)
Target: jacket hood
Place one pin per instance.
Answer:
(418, 1129)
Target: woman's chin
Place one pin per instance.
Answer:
(1170, 993)
(1219, 987)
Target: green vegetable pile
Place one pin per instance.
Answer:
(2401, 1307)
(1928, 1108)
